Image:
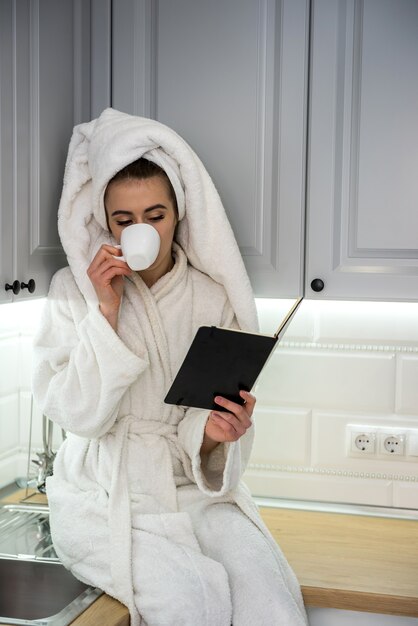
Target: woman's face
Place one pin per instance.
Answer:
(145, 201)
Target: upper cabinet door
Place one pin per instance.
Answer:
(231, 78)
(6, 150)
(362, 235)
(52, 60)
(55, 73)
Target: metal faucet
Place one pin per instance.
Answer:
(45, 460)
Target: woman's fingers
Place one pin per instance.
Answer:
(105, 266)
(233, 422)
(242, 411)
(249, 401)
(106, 274)
(235, 419)
(106, 253)
(229, 424)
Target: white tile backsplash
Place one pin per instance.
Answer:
(317, 487)
(407, 384)
(17, 325)
(272, 311)
(375, 323)
(339, 363)
(342, 363)
(9, 322)
(9, 423)
(337, 379)
(25, 368)
(405, 495)
(9, 365)
(282, 436)
(28, 315)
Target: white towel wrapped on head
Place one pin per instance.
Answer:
(101, 148)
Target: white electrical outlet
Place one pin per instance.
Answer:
(362, 440)
(392, 443)
(381, 443)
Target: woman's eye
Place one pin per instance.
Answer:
(126, 223)
(157, 218)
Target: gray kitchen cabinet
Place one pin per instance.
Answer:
(54, 73)
(231, 77)
(6, 149)
(362, 192)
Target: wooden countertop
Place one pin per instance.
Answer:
(351, 562)
(342, 561)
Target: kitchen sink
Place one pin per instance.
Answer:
(35, 588)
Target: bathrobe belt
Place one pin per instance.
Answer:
(159, 442)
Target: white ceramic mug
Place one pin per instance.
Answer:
(140, 244)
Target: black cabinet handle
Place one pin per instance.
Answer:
(317, 284)
(30, 286)
(15, 287)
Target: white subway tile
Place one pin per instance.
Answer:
(9, 469)
(326, 321)
(20, 316)
(9, 422)
(341, 380)
(407, 385)
(12, 466)
(272, 311)
(9, 322)
(319, 488)
(29, 314)
(281, 436)
(25, 363)
(377, 323)
(405, 495)
(9, 366)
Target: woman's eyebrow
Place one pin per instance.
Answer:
(150, 208)
(121, 213)
(155, 206)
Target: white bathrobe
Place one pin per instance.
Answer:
(133, 510)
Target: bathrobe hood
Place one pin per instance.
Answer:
(97, 151)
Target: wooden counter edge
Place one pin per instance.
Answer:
(108, 610)
(348, 600)
(105, 610)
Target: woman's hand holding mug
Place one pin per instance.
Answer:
(140, 245)
(106, 273)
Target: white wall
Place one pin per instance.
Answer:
(17, 325)
(338, 617)
(340, 363)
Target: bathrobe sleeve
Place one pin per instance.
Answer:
(81, 367)
(220, 471)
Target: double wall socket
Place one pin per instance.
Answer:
(381, 442)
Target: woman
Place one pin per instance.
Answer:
(146, 500)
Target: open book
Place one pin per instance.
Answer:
(222, 361)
